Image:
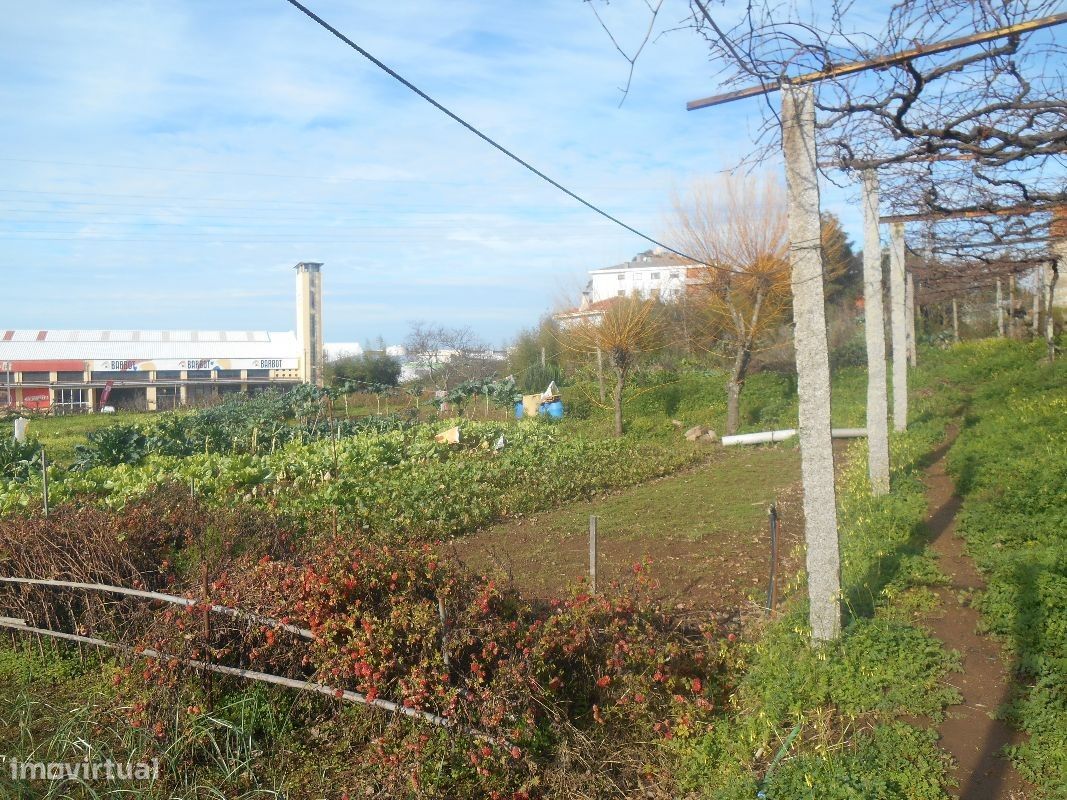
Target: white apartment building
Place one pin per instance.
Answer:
(654, 273)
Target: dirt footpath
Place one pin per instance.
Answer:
(969, 732)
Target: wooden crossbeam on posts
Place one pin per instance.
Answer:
(879, 62)
(994, 245)
(911, 159)
(1022, 209)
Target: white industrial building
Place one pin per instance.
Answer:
(82, 370)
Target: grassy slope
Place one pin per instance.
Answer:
(845, 703)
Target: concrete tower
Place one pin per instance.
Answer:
(309, 320)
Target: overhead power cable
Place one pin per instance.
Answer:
(493, 143)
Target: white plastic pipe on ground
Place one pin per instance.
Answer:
(766, 437)
(760, 438)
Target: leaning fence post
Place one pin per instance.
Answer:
(592, 553)
(44, 479)
(772, 585)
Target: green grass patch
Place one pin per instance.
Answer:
(731, 494)
(60, 435)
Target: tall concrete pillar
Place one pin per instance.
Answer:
(909, 295)
(898, 323)
(823, 559)
(874, 331)
(1000, 311)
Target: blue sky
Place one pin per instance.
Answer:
(164, 164)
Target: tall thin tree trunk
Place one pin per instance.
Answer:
(898, 323)
(874, 330)
(955, 321)
(813, 364)
(600, 373)
(742, 359)
(620, 383)
(733, 389)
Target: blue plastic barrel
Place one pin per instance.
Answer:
(518, 410)
(554, 409)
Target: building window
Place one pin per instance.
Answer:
(71, 398)
(655, 276)
(168, 374)
(622, 293)
(228, 374)
(70, 377)
(622, 277)
(259, 373)
(35, 377)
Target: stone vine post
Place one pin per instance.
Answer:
(898, 323)
(813, 364)
(1000, 311)
(874, 331)
(909, 305)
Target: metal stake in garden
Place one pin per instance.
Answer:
(44, 480)
(592, 553)
(772, 586)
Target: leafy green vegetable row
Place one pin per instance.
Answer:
(400, 480)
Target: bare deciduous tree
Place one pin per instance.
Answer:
(737, 227)
(629, 327)
(448, 354)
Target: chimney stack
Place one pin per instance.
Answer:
(309, 320)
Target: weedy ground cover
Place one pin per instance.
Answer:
(534, 689)
(829, 722)
(1010, 467)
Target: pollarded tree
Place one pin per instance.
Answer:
(737, 228)
(629, 327)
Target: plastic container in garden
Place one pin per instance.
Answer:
(518, 410)
(554, 409)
